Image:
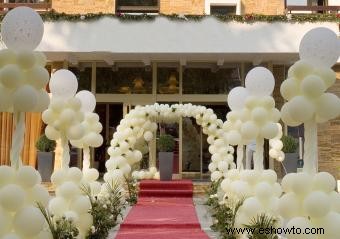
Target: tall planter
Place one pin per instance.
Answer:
(166, 165)
(291, 162)
(45, 165)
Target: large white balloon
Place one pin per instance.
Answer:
(88, 100)
(320, 47)
(260, 81)
(22, 29)
(237, 97)
(63, 84)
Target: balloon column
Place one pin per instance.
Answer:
(23, 79)
(92, 126)
(235, 119)
(258, 186)
(310, 199)
(276, 146)
(66, 121)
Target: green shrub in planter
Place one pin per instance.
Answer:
(166, 143)
(44, 144)
(290, 144)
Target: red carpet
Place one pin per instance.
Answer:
(164, 210)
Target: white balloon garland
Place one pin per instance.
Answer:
(141, 123)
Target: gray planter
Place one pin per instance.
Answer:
(45, 165)
(291, 162)
(166, 165)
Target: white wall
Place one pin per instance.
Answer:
(165, 36)
(334, 2)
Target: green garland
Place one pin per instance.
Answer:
(53, 16)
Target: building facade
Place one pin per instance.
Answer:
(172, 51)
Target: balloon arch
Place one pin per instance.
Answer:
(141, 124)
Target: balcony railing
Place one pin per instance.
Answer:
(312, 9)
(40, 6)
(142, 6)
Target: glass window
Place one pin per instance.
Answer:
(222, 10)
(137, 5)
(167, 79)
(124, 80)
(83, 75)
(297, 2)
(210, 79)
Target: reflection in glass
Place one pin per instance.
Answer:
(167, 78)
(210, 79)
(124, 80)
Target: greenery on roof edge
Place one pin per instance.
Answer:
(53, 16)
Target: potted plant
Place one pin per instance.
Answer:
(165, 146)
(45, 149)
(290, 146)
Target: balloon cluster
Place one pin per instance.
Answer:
(70, 201)
(276, 145)
(151, 173)
(310, 198)
(262, 192)
(91, 125)
(23, 79)
(64, 115)
(311, 202)
(141, 122)
(309, 78)
(20, 191)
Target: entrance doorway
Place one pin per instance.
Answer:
(109, 116)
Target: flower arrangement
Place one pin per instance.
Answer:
(290, 144)
(165, 143)
(105, 209)
(59, 228)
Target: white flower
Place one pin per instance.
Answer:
(93, 229)
(105, 206)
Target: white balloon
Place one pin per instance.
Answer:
(290, 88)
(52, 133)
(57, 206)
(88, 100)
(7, 175)
(301, 109)
(148, 136)
(39, 194)
(74, 174)
(22, 29)
(5, 222)
(80, 204)
(249, 130)
(269, 130)
(12, 197)
(43, 101)
(5, 99)
(63, 83)
(237, 97)
(91, 174)
(324, 181)
(38, 77)
(313, 86)
(11, 76)
(68, 190)
(27, 176)
(301, 223)
(320, 47)
(29, 221)
(316, 204)
(286, 117)
(328, 106)
(260, 81)
(25, 99)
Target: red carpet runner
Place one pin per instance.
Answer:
(164, 210)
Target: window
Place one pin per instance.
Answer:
(168, 78)
(124, 79)
(205, 78)
(83, 75)
(222, 10)
(143, 6)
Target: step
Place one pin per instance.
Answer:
(175, 184)
(165, 193)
